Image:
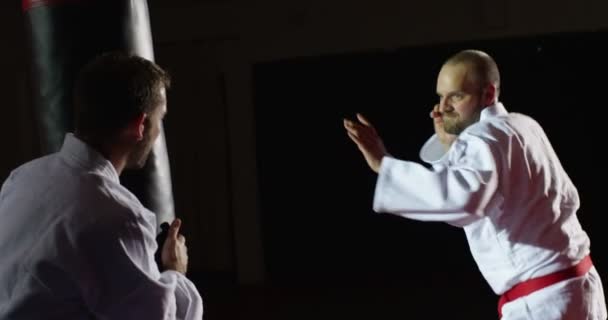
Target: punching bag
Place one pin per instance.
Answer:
(63, 36)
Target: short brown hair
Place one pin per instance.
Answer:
(112, 90)
(484, 67)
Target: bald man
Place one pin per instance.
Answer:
(495, 175)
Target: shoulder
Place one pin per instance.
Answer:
(496, 129)
(112, 207)
(30, 172)
(34, 166)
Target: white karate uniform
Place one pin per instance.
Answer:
(502, 182)
(75, 244)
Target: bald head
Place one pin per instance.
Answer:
(483, 69)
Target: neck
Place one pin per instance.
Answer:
(118, 161)
(113, 153)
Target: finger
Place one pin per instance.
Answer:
(181, 239)
(363, 136)
(364, 120)
(354, 125)
(174, 229)
(353, 137)
(359, 130)
(353, 131)
(362, 131)
(363, 143)
(438, 120)
(346, 123)
(356, 140)
(435, 113)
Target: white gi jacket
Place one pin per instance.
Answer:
(502, 182)
(75, 244)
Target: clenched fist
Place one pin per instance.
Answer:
(174, 252)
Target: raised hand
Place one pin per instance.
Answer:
(445, 138)
(364, 135)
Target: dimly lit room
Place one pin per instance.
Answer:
(276, 201)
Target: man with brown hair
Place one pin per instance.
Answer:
(75, 243)
(495, 175)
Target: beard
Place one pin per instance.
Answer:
(453, 123)
(141, 152)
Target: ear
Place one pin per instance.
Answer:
(489, 95)
(137, 126)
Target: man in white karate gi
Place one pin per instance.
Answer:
(76, 244)
(495, 175)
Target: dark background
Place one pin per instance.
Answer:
(316, 189)
(276, 200)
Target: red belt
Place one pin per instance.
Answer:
(527, 287)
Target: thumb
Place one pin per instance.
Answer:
(174, 229)
(364, 120)
(435, 113)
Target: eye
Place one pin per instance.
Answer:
(456, 97)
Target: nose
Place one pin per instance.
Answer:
(444, 106)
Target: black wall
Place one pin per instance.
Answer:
(316, 191)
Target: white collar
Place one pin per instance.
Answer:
(78, 153)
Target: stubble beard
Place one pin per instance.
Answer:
(454, 124)
(140, 154)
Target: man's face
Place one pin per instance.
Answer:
(460, 98)
(152, 127)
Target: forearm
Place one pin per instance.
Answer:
(410, 190)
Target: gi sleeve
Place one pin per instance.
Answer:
(457, 190)
(120, 279)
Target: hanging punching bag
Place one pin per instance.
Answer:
(66, 34)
